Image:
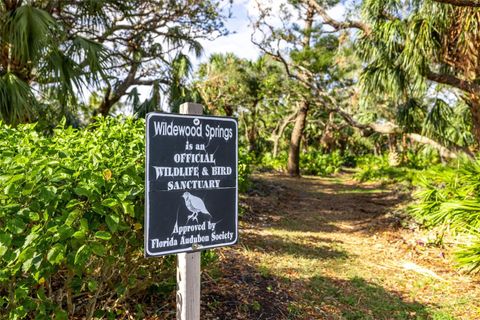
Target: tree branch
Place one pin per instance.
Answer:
(391, 128)
(461, 3)
(451, 80)
(111, 98)
(450, 153)
(339, 25)
(149, 82)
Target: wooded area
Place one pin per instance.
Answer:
(388, 95)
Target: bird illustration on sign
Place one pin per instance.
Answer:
(195, 205)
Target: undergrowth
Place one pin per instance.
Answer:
(380, 168)
(448, 197)
(311, 163)
(71, 220)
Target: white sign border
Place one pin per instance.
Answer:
(146, 221)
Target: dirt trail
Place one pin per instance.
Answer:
(331, 248)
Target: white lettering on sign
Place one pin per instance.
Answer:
(222, 236)
(165, 243)
(194, 239)
(218, 132)
(221, 171)
(196, 130)
(193, 184)
(194, 158)
(176, 172)
(193, 175)
(171, 129)
(185, 229)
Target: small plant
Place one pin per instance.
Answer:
(269, 162)
(320, 164)
(448, 198)
(468, 256)
(245, 161)
(379, 168)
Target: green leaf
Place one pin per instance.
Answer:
(56, 254)
(16, 225)
(9, 189)
(72, 216)
(34, 216)
(5, 241)
(104, 235)
(72, 203)
(48, 193)
(99, 249)
(64, 232)
(16, 178)
(82, 255)
(30, 239)
(61, 314)
(34, 261)
(110, 203)
(92, 285)
(82, 191)
(128, 208)
(79, 234)
(112, 221)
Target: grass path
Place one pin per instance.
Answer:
(330, 248)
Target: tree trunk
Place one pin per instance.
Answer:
(252, 131)
(113, 96)
(474, 104)
(252, 137)
(293, 166)
(278, 132)
(327, 141)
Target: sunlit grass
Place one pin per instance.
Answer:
(336, 272)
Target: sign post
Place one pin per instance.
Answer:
(188, 264)
(191, 185)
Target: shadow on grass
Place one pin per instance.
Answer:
(238, 288)
(320, 205)
(357, 298)
(313, 249)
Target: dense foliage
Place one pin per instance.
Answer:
(396, 101)
(72, 213)
(71, 239)
(391, 168)
(54, 51)
(448, 198)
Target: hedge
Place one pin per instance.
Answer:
(71, 222)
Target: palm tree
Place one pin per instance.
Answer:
(39, 60)
(410, 46)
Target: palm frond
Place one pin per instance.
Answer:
(16, 99)
(29, 31)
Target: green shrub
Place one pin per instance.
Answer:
(71, 221)
(378, 168)
(72, 214)
(311, 163)
(468, 256)
(268, 162)
(245, 161)
(320, 164)
(448, 197)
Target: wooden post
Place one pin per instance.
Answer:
(188, 264)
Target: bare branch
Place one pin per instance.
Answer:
(388, 127)
(339, 25)
(461, 3)
(467, 86)
(149, 82)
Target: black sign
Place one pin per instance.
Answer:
(191, 183)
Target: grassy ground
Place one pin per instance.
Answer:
(319, 248)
